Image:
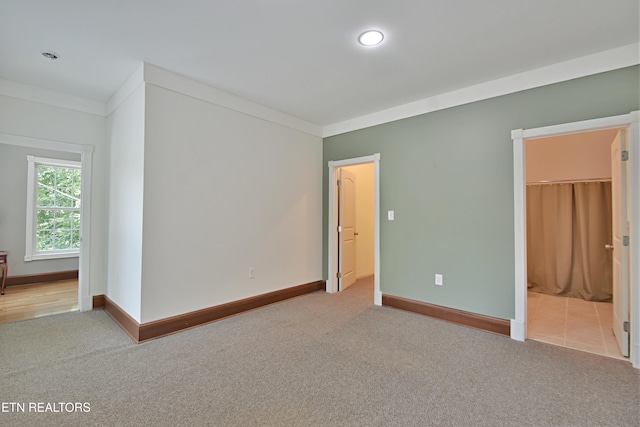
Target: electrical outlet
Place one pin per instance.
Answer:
(252, 273)
(439, 279)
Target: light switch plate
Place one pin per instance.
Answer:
(439, 279)
(390, 215)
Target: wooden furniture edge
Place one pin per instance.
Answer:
(170, 325)
(460, 317)
(41, 277)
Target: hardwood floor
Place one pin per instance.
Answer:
(22, 302)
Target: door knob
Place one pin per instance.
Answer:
(608, 246)
(355, 234)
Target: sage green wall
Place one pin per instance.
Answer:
(448, 175)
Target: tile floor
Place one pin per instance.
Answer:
(572, 322)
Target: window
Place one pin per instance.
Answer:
(53, 208)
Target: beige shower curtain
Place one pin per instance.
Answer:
(568, 226)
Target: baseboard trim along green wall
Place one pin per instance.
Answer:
(42, 277)
(158, 328)
(459, 317)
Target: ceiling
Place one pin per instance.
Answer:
(301, 57)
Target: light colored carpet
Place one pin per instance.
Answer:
(316, 360)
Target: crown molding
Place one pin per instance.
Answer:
(169, 80)
(50, 97)
(601, 62)
(609, 60)
(127, 88)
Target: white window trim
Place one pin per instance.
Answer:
(31, 254)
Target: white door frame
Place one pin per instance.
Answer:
(630, 121)
(85, 300)
(332, 242)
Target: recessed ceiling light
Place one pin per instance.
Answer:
(50, 55)
(371, 38)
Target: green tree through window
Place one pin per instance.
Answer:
(58, 208)
(53, 208)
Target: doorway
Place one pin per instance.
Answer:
(85, 300)
(569, 210)
(356, 225)
(628, 122)
(336, 239)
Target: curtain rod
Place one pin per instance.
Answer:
(573, 181)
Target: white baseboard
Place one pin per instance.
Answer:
(85, 303)
(635, 356)
(518, 331)
(377, 298)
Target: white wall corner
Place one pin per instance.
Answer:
(635, 116)
(50, 97)
(127, 88)
(186, 86)
(517, 330)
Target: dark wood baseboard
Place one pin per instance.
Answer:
(465, 318)
(98, 301)
(42, 277)
(148, 331)
(121, 317)
(174, 324)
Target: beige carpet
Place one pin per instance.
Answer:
(316, 360)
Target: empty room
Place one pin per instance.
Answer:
(319, 213)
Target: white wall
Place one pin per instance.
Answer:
(225, 191)
(126, 194)
(365, 216)
(37, 120)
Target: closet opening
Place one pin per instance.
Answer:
(570, 214)
(620, 249)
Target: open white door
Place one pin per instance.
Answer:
(346, 227)
(620, 242)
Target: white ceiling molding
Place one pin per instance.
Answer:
(127, 88)
(609, 60)
(50, 97)
(181, 84)
(584, 66)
